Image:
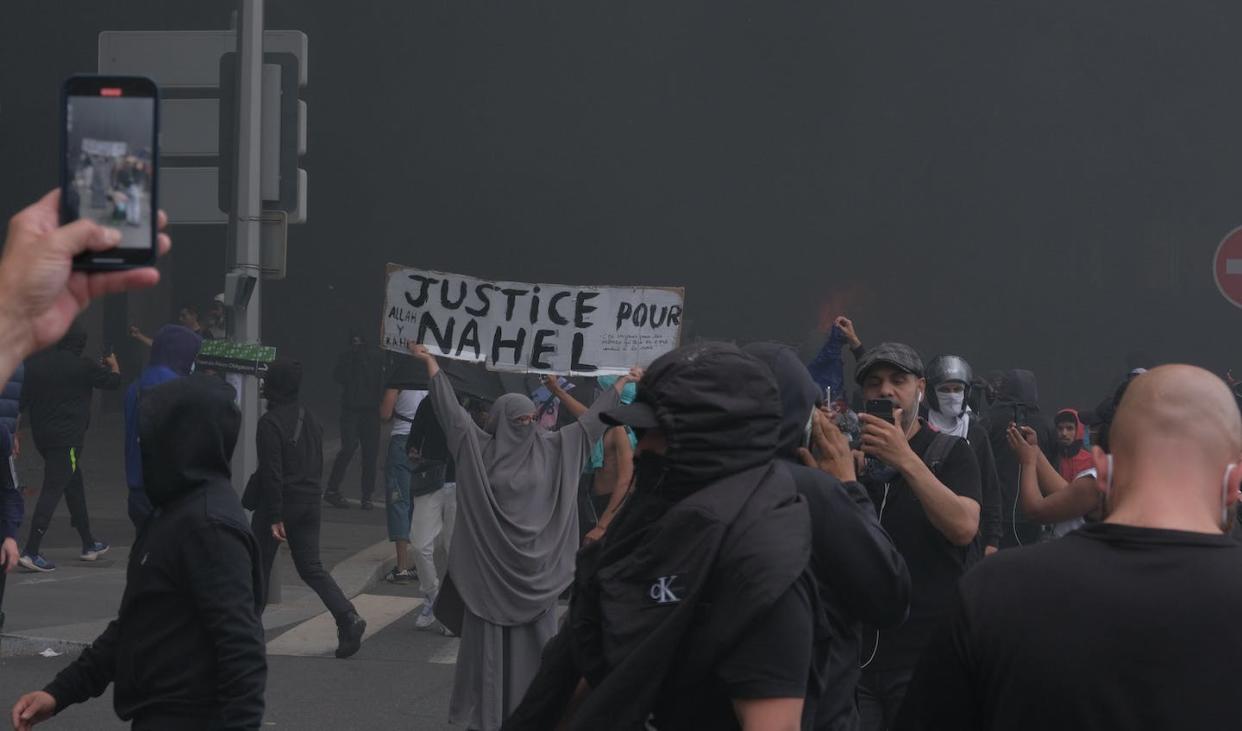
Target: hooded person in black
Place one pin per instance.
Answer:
(360, 373)
(290, 449)
(1017, 401)
(861, 575)
(57, 396)
(186, 650)
(698, 609)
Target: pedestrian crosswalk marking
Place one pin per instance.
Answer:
(317, 636)
(447, 654)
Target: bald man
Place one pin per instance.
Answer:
(1132, 623)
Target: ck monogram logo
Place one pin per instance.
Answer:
(662, 590)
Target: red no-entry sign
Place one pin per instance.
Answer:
(1228, 267)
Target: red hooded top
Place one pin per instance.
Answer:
(1074, 460)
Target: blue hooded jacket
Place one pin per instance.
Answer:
(828, 366)
(172, 356)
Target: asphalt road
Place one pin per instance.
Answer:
(401, 679)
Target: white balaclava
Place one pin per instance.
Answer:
(948, 413)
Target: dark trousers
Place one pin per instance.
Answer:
(62, 475)
(358, 427)
(139, 506)
(302, 530)
(6, 484)
(880, 693)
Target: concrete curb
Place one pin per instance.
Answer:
(22, 646)
(355, 575)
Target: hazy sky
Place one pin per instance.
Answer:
(1030, 184)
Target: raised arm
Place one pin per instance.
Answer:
(1059, 501)
(589, 422)
(576, 407)
(454, 418)
(138, 335)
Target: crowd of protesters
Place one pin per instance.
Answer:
(746, 540)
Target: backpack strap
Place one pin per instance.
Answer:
(938, 451)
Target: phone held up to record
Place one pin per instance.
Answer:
(881, 408)
(109, 167)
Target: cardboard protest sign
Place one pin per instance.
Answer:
(539, 328)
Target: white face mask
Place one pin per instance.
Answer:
(952, 405)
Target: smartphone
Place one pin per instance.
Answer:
(881, 408)
(1019, 414)
(109, 167)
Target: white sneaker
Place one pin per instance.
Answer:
(426, 615)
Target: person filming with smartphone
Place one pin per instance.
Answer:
(926, 487)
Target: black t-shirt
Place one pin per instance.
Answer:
(1111, 627)
(935, 564)
(775, 658)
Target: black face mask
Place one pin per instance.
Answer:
(650, 471)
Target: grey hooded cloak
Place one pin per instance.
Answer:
(513, 545)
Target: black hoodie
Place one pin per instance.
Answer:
(57, 391)
(692, 565)
(290, 463)
(187, 645)
(360, 373)
(862, 577)
(1018, 392)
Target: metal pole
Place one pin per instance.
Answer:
(247, 210)
(245, 219)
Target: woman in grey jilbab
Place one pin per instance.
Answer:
(515, 538)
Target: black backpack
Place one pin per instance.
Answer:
(251, 496)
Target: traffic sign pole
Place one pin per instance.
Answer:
(246, 215)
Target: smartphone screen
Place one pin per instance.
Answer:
(880, 408)
(109, 164)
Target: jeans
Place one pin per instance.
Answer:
(397, 489)
(880, 693)
(61, 476)
(358, 427)
(302, 530)
(434, 515)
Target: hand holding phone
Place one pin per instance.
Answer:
(109, 165)
(881, 409)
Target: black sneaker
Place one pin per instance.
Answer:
(335, 500)
(349, 636)
(367, 504)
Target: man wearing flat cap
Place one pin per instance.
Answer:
(926, 488)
